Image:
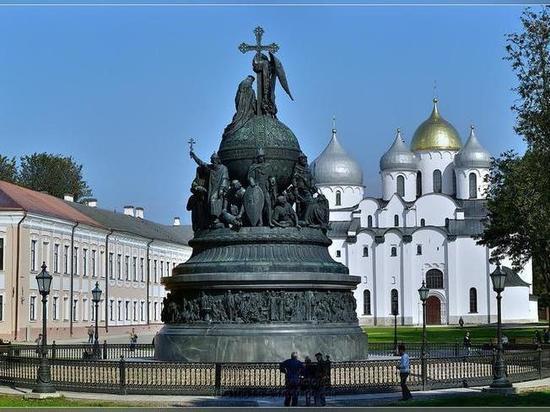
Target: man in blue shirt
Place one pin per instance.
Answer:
(293, 370)
(404, 370)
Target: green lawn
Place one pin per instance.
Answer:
(13, 401)
(441, 334)
(541, 398)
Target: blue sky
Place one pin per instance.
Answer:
(122, 89)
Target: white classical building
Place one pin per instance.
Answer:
(124, 252)
(423, 228)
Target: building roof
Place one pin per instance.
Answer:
(473, 154)
(435, 133)
(335, 167)
(398, 157)
(512, 278)
(137, 226)
(14, 197)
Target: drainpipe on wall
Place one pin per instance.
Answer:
(107, 274)
(72, 280)
(148, 283)
(17, 270)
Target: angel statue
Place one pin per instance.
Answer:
(268, 71)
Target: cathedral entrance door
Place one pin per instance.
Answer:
(433, 311)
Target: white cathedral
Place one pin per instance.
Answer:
(422, 229)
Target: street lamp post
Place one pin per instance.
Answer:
(44, 380)
(394, 312)
(500, 382)
(96, 298)
(423, 293)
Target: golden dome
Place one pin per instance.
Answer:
(435, 133)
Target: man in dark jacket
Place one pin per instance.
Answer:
(322, 379)
(293, 369)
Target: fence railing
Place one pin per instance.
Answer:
(127, 375)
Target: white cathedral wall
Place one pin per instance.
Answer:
(363, 266)
(386, 216)
(369, 207)
(349, 195)
(434, 208)
(463, 183)
(389, 184)
(428, 161)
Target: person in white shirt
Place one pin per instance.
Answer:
(404, 368)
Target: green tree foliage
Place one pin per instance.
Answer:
(58, 175)
(518, 197)
(8, 169)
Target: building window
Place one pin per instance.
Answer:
(75, 311)
(134, 269)
(447, 222)
(161, 269)
(127, 310)
(155, 274)
(338, 198)
(365, 251)
(394, 295)
(1, 308)
(119, 266)
(102, 263)
(119, 310)
(84, 262)
(473, 185)
(55, 308)
(393, 251)
(155, 310)
(418, 249)
(111, 272)
(422, 222)
(66, 308)
(434, 279)
(369, 220)
(142, 311)
(32, 308)
(401, 186)
(135, 311)
(75, 260)
(168, 269)
(111, 309)
(338, 253)
(66, 260)
(473, 300)
(33, 255)
(396, 220)
(85, 310)
(418, 184)
(454, 183)
(94, 271)
(437, 181)
(127, 267)
(141, 270)
(56, 258)
(366, 302)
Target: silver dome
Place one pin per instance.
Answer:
(473, 155)
(335, 167)
(398, 156)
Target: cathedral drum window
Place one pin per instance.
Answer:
(401, 186)
(437, 183)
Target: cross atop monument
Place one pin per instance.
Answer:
(259, 47)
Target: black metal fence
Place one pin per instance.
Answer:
(132, 375)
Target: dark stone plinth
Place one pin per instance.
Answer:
(256, 295)
(260, 343)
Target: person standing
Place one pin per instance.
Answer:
(308, 379)
(547, 336)
(91, 334)
(320, 380)
(133, 340)
(293, 370)
(467, 343)
(38, 342)
(404, 368)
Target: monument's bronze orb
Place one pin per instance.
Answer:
(281, 147)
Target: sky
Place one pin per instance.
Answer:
(122, 89)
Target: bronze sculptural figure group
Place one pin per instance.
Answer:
(216, 202)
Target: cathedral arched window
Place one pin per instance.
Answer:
(396, 220)
(369, 220)
(394, 302)
(422, 222)
(473, 185)
(366, 302)
(365, 251)
(447, 222)
(437, 181)
(393, 251)
(338, 198)
(401, 186)
(418, 184)
(418, 249)
(454, 183)
(434, 279)
(473, 300)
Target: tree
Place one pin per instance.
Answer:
(56, 174)
(518, 198)
(8, 169)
